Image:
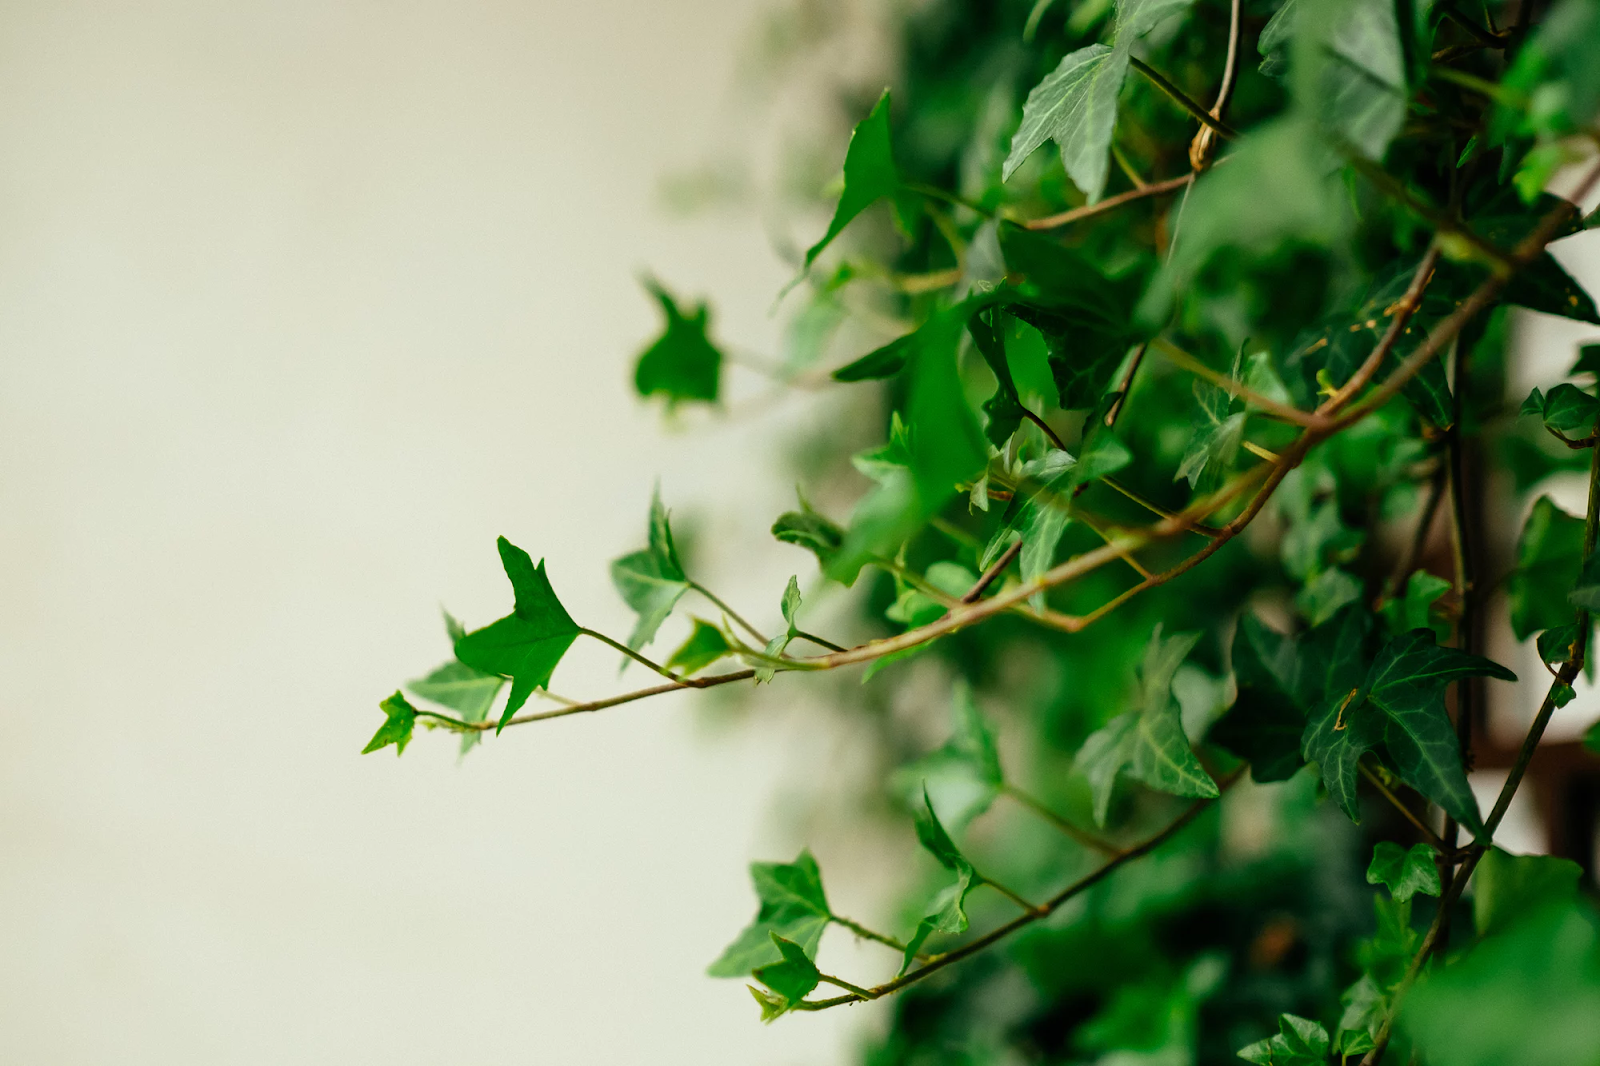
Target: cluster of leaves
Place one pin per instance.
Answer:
(1288, 304)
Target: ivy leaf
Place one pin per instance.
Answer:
(869, 173)
(1506, 887)
(1591, 738)
(793, 978)
(1554, 76)
(1414, 609)
(1076, 104)
(1549, 561)
(793, 906)
(1148, 742)
(947, 913)
(1398, 708)
(1264, 725)
(778, 644)
(1299, 1042)
(771, 1006)
(705, 645)
(1004, 409)
(526, 644)
(1404, 873)
(467, 691)
(1559, 646)
(682, 364)
(1586, 594)
(400, 718)
(965, 771)
(815, 532)
(1568, 411)
(651, 581)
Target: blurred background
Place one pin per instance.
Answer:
(301, 305)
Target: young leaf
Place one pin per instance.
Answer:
(1507, 887)
(526, 644)
(869, 173)
(467, 691)
(777, 645)
(400, 718)
(1299, 1042)
(947, 913)
(1404, 873)
(794, 976)
(1549, 559)
(1264, 725)
(1414, 610)
(651, 581)
(1147, 742)
(793, 906)
(1569, 412)
(705, 646)
(771, 1006)
(1396, 706)
(815, 532)
(965, 771)
(682, 364)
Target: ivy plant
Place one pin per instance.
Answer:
(1177, 461)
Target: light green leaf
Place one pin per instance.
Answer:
(1327, 594)
(1508, 887)
(811, 530)
(1554, 84)
(651, 581)
(1075, 106)
(1404, 873)
(1299, 1042)
(400, 718)
(467, 691)
(778, 644)
(1348, 67)
(869, 173)
(965, 773)
(771, 1006)
(1414, 609)
(793, 977)
(947, 913)
(1147, 742)
(527, 644)
(681, 364)
(705, 645)
(793, 905)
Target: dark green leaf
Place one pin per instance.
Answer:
(400, 718)
(1147, 742)
(1559, 645)
(1549, 560)
(1264, 725)
(1506, 887)
(705, 646)
(682, 364)
(869, 173)
(1586, 594)
(1588, 361)
(793, 905)
(1404, 873)
(884, 362)
(527, 644)
(1004, 409)
(651, 581)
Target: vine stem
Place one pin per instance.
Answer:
(647, 663)
(1281, 411)
(1082, 836)
(867, 934)
(737, 618)
(1081, 885)
(1077, 214)
(1182, 99)
(1530, 743)
(1410, 815)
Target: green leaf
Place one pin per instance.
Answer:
(651, 581)
(1414, 609)
(1591, 738)
(1549, 561)
(1586, 594)
(705, 645)
(1506, 887)
(794, 976)
(964, 773)
(947, 913)
(1588, 361)
(1264, 725)
(526, 644)
(778, 644)
(1529, 996)
(1559, 645)
(400, 718)
(1570, 412)
(771, 1006)
(1397, 708)
(1299, 1042)
(815, 532)
(1076, 104)
(1213, 447)
(1004, 409)
(869, 173)
(1555, 80)
(682, 364)
(793, 905)
(1404, 873)
(882, 362)
(1326, 594)
(1147, 742)
(467, 691)
(1348, 67)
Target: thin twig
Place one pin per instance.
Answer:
(737, 618)
(818, 641)
(1082, 836)
(1154, 508)
(867, 934)
(1411, 816)
(1110, 203)
(647, 663)
(1283, 412)
(1400, 318)
(996, 568)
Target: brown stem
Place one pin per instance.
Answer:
(1110, 203)
(996, 568)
